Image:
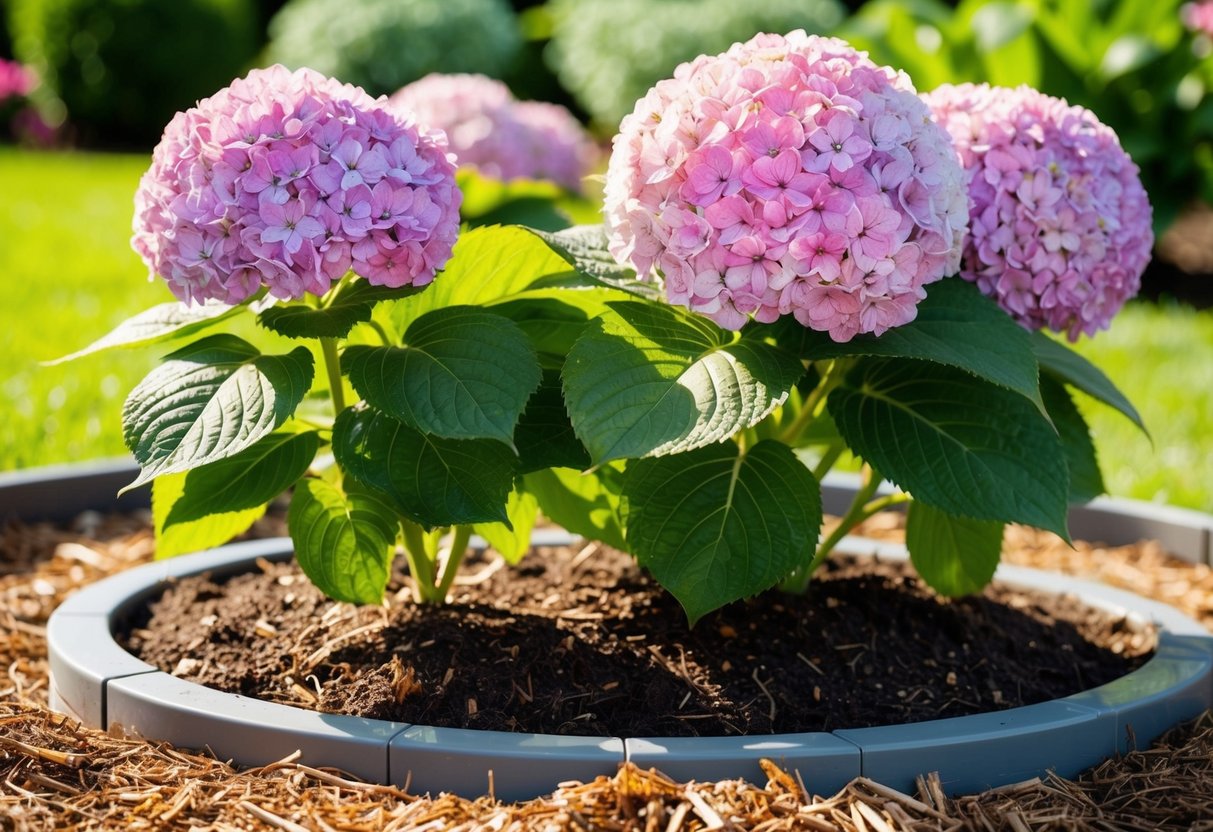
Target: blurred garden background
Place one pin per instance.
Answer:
(86, 86)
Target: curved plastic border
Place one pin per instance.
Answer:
(93, 678)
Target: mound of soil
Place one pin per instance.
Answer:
(583, 643)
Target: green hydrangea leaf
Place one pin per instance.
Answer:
(954, 555)
(1086, 481)
(544, 436)
(345, 539)
(1064, 364)
(649, 379)
(583, 503)
(179, 537)
(584, 247)
(463, 373)
(160, 323)
(962, 445)
(714, 526)
(512, 543)
(956, 326)
(211, 400)
(249, 479)
(352, 305)
(429, 479)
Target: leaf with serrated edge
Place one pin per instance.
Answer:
(463, 374)
(956, 326)
(584, 247)
(544, 436)
(251, 478)
(352, 305)
(160, 323)
(583, 503)
(954, 555)
(178, 538)
(714, 526)
(1086, 481)
(512, 544)
(431, 480)
(345, 540)
(962, 445)
(209, 401)
(1063, 363)
(647, 379)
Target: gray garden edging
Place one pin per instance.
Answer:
(101, 684)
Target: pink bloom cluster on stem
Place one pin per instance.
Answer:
(788, 176)
(288, 180)
(1061, 225)
(501, 136)
(15, 80)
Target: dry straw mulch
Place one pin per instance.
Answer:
(55, 774)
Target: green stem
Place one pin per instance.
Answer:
(387, 340)
(828, 459)
(459, 546)
(815, 401)
(420, 565)
(332, 363)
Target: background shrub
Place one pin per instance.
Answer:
(119, 69)
(381, 45)
(608, 53)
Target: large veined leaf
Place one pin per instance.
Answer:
(210, 400)
(553, 319)
(512, 543)
(714, 525)
(544, 436)
(1086, 481)
(249, 479)
(954, 555)
(463, 373)
(648, 379)
(352, 305)
(583, 503)
(345, 539)
(1063, 363)
(488, 264)
(584, 247)
(160, 323)
(957, 326)
(954, 442)
(179, 537)
(429, 479)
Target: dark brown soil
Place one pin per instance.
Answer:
(583, 643)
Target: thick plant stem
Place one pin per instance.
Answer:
(421, 566)
(459, 545)
(814, 402)
(828, 459)
(332, 363)
(862, 507)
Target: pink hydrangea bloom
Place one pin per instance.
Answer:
(1061, 225)
(288, 180)
(788, 176)
(1197, 16)
(16, 81)
(499, 135)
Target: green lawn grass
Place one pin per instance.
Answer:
(71, 276)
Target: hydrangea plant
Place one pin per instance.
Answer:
(785, 217)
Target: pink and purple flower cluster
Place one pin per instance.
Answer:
(499, 135)
(288, 180)
(15, 80)
(788, 176)
(1061, 225)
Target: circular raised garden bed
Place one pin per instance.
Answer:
(103, 685)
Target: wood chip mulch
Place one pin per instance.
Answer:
(56, 774)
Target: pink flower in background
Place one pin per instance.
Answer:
(1198, 16)
(16, 80)
(288, 180)
(1061, 225)
(502, 137)
(825, 190)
